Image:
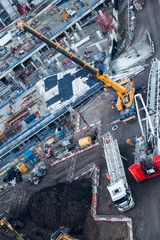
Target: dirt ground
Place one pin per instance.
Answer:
(55, 206)
(53, 203)
(22, 200)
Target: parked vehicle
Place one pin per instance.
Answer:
(118, 187)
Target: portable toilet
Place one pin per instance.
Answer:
(31, 158)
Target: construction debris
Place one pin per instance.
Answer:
(136, 54)
(138, 4)
(37, 173)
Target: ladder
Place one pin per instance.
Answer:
(153, 99)
(70, 175)
(145, 123)
(113, 158)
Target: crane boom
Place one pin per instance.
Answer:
(5, 222)
(5, 225)
(124, 89)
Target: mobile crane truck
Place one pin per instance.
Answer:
(8, 222)
(118, 187)
(125, 89)
(147, 148)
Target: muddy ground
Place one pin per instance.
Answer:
(59, 205)
(53, 203)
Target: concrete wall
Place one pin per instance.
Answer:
(120, 21)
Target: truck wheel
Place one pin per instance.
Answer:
(115, 127)
(145, 90)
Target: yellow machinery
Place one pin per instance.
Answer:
(2, 134)
(62, 234)
(124, 89)
(7, 222)
(65, 15)
(22, 167)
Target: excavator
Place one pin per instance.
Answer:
(62, 233)
(124, 89)
(8, 222)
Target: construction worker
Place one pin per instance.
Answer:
(86, 55)
(10, 107)
(11, 101)
(108, 176)
(129, 142)
(10, 112)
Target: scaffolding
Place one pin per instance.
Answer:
(5, 91)
(148, 117)
(104, 21)
(145, 120)
(70, 175)
(153, 99)
(113, 158)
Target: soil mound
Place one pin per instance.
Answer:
(65, 204)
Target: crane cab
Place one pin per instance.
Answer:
(62, 233)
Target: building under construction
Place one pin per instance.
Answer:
(58, 67)
(38, 82)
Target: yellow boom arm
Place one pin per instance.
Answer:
(124, 90)
(4, 221)
(64, 236)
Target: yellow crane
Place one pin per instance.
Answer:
(125, 89)
(6, 221)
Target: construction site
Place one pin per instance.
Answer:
(79, 120)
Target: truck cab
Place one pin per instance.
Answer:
(121, 196)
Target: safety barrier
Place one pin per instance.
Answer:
(73, 154)
(78, 121)
(131, 25)
(95, 184)
(83, 171)
(106, 217)
(89, 126)
(151, 43)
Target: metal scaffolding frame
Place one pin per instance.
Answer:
(153, 99)
(113, 158)
(70, 175)
(145, 120)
